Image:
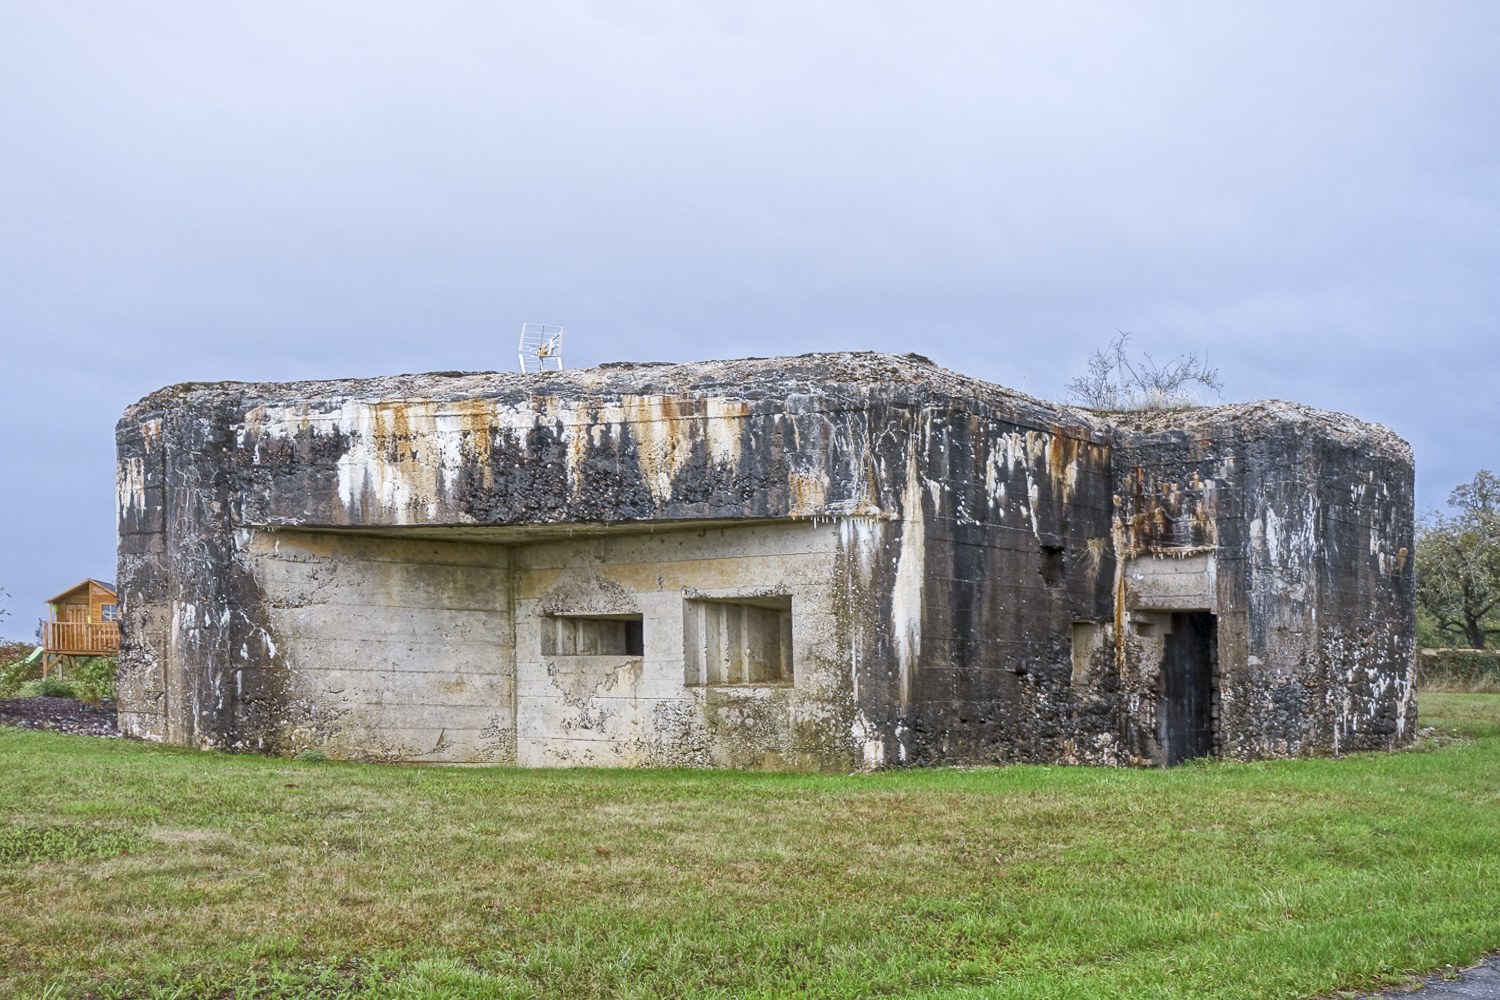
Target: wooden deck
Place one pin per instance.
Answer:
(61, 641)
(81, 638)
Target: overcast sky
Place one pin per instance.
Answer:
(1304, 192)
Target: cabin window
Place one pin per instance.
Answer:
(738, 642)
(569, 635)
(107, 613)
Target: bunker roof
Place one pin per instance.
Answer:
(839, 374)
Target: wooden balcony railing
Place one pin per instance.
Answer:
(81, 638)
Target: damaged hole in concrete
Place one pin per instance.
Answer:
(1086, 639)
(1053, 569)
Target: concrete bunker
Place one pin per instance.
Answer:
(834, 561)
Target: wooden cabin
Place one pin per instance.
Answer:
(85, 622)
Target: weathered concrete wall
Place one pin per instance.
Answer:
(973, 575)
(1301, 522)
(624, 710)
(143, 578)
(1004, 545)
(387, 648)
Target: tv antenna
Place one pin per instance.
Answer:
(541, 347)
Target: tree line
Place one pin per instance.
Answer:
(1458, 568)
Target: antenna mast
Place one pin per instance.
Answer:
(541, 347)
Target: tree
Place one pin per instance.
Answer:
(1458, 563)
(1114, 382)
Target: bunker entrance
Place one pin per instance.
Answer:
(1187, 686)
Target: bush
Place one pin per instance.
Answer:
(1114, 382)
(1475, 671)
(93, 679)
(48, 687)
(14, 670)
(13, 651)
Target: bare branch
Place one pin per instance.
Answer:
(1115, 382)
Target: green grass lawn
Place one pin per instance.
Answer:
(134, 870)
(1473, 715)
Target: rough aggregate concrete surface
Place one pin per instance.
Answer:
(836, 561)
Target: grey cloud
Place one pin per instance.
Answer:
(1306, 192)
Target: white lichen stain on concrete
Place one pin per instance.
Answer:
(663, 440)
(130, 488)
(403, 457)
(867, 736)
(906, 596)
(724, 428)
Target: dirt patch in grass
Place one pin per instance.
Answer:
(186, 836)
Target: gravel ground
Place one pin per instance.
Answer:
(1482, 982)
(63, 715)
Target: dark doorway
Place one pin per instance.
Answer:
(1187, 677)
